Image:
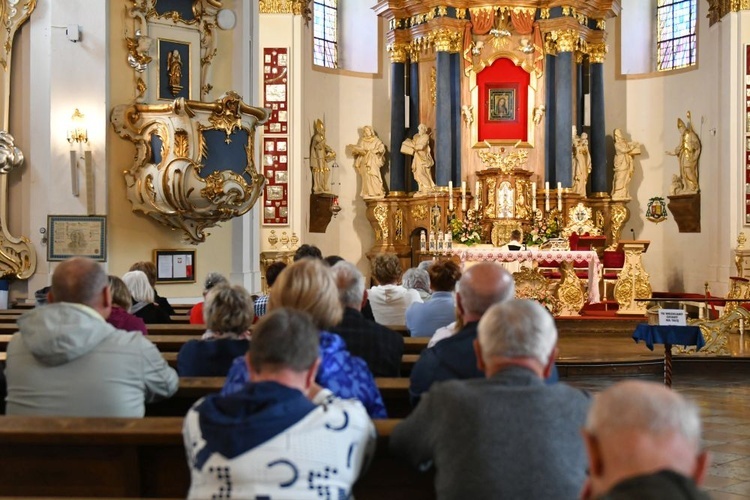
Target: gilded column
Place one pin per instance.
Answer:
(598, 131)
(446, 44)
(398, 53)
(566, 42)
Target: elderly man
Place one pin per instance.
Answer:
(643, 441)
(66, 360)
(480, 286)
(282, 435)
(508, 435)
(380, 347)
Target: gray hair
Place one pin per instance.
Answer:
(78, 280)
(284, 338)
(646, 407)
(228, 309)
(518, 328)
(213, 279)
(350, 282)
(416, 278)
(139, 286)
(483, 285)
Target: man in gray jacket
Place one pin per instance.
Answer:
(507, 435)
(66, 360)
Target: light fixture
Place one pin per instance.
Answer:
(77, 132)
(335, 207)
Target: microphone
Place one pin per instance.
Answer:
(632, 231)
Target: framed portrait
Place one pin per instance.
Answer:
(501, 104)
(76, 236)
(175, 266)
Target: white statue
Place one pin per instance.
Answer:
(468, 113)
(421, 165)
(624, 153)
(320, 155)
(581, 162)
(369, 158)
(688, 152)
(538, 114)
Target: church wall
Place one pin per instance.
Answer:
(647, 109)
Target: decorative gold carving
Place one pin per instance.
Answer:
(570, 293)
(13, 16)
(296, 7)
(138, 47)
(506, 162)
(419, 212)
(580, 221)
(522, 199)
(442, 11)
(601, 24)
(543, 13)
(140, 87)
(433, 85)
(741, 240)
(531, 284)
(717, 9)
(398, 51)
(501, 230)
(448, 40)
(566, 11)
(597, 52)
(398, 223)
(174, 72)
(632, 282)
(618, 215)
(716, 332)
(489, 210)
(381, 215)
(564, 40)
(172, 191)
(461, 13)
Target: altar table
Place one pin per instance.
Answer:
(575, 257)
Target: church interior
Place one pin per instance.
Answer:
(595, 148)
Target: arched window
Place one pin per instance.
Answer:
(675, 34)
(325, 33)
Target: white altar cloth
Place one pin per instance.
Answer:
(467, 254)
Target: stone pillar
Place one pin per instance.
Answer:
(564, 108)
(598, 132)
(398, 116)
(443, 126)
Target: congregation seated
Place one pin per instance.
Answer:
(66, 360)
(508, 434)
(212, 279)
(228, 312)
(149, 269)
(279, 423)
(308, 285)
(644, 442)
(380, 347)
(272, 272)
(119, 317)
(418, 279)
(144, 305)
(423, 319)
(388, 299)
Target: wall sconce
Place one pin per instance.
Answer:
(78, 135)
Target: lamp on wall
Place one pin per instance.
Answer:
(78, 135)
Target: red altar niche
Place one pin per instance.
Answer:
(503, 103)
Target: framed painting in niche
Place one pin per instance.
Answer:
(187, 44)
(501, 104)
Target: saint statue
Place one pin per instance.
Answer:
(688, 153)
(369, 158)
(581, 162)
(624, 153)
(421, 165)
(320, 155)
(174, 71)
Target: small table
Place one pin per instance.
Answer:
(669, 335)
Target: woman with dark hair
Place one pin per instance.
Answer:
(423, 319)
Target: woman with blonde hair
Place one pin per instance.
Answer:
(308, 285)
(388, 299)
(121, 302)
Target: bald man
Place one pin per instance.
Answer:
(481, 286)
(643, 441)
(66, 360)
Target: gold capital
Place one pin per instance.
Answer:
(597, 52)
(296, 7)
(399, 52)
(447, 40)
(564, 40)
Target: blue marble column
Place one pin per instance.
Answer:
(443, 129)
(564, 119)
(398, 121)
(598, 130)
(549, 120)
(456, 118)
(579, 96)
(414, 118)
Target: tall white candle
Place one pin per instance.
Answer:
(533, 196)
(546, 196)
(559, 196)
(476, 195)
(463, 195)
(450, 196)
(463, 203)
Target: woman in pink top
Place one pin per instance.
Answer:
(121, 302)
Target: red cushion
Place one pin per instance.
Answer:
(573, 241)
(613, 259)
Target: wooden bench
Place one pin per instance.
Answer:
(120, 457)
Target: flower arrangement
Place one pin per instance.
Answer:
(467, 230)
(542, 229)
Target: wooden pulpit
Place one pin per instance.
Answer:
(633, 281)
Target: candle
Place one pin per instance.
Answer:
(476, 195)
(533, 196)
(450, 196)
(546, 196)
(463, 195)
(559, 196)
(463, 203)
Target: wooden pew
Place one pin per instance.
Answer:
(415, 345)
(122, 457)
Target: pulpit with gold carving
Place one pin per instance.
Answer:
(633, 281)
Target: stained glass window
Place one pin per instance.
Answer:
(675, 34)
(325, 33)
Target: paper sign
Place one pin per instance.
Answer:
(672, 317)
